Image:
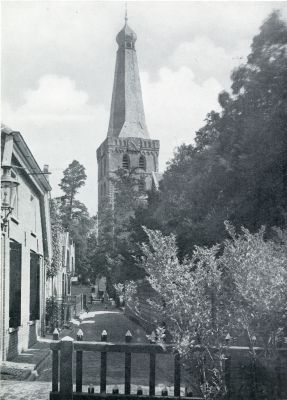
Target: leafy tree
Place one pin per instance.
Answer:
(237, 168)
(57, 230)
(116, 249)
(237, 287)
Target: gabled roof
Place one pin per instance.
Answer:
(32, 168)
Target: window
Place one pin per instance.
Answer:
(142, 162)
(126, 161)
(34, 212)
(64, 285)
(68, 260)
(15, 285)
(105, 166)
(63, 256)
(34, 286)
(15, 199)
(142, 187)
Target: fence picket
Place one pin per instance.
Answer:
(55, 370)
(66, 368)
(152, 374)
(177, 374)
(79, 364)
(103, 383)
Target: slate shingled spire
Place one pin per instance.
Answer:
(127, 118)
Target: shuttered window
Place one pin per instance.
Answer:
(15, 285)
(126, 161)
(34, 286)
(142, 162)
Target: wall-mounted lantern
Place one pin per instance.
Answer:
(8, 193)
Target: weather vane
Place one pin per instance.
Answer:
(126, 12)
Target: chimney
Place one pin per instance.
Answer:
(46, 171)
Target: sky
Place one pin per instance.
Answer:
(58, 60)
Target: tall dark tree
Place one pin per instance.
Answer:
(74, 214)
(74, 178)
(237, 168)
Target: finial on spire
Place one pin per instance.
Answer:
(126, 13)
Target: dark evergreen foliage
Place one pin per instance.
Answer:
(237, 169)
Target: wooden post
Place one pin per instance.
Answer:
(55, 334)
(55, 364)
(164, 391)
(66, 368)
(128, 359)
(177, 374)
(227, 375)
(103, 383)
(79, 363)
(152, 374)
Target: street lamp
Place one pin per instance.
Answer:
(8, 192)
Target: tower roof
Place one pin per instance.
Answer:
(126, 35)
(127, 118)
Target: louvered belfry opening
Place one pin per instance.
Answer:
(126, 161)
(142, 162)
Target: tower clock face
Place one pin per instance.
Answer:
(134, 145)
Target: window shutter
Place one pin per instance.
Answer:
(15, 285)
(34, 286)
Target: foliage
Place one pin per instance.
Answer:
(239, 286)
(116, 250)
(127, 291)
(237, 168)
(52, 311)
(57, 230)
(74, 178)
(74, 214)
(257, 270)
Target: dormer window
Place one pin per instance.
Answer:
(142, 162)
(126, 161)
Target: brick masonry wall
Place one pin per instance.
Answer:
(110, 156)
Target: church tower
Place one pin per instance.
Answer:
(127, 144)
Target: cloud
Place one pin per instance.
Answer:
(55, 98)
(206, 59)
(59, 125)
(176, 106)
(57, 71)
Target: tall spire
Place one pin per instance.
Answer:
(127, 118)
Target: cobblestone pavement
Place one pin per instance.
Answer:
(116, 324)
(19, 390)
(92, 324)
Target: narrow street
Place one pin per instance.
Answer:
(116, 324)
